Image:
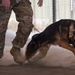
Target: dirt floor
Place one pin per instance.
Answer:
(34, 70)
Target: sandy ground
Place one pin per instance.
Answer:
(58, 61)
(35, 70)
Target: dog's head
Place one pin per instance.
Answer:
(32, 46)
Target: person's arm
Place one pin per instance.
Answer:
(40, 3)
(6, 3)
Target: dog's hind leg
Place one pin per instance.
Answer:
(41, 54)
(65, 44)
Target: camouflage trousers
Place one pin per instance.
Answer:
(24, 13)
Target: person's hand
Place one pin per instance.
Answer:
(6, 3)
(40, 3)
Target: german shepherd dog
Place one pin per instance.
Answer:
(60, 33)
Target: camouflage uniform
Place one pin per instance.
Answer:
(24, 15)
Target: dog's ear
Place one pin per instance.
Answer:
(32, 44)
(35, 36)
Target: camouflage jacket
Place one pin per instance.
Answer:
(13, 2)
(17, 1)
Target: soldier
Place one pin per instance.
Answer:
(24, 13)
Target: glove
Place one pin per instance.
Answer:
(6, 3)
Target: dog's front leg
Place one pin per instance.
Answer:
(41, 54)
(65, 44)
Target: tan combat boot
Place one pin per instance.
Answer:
(18, 58)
